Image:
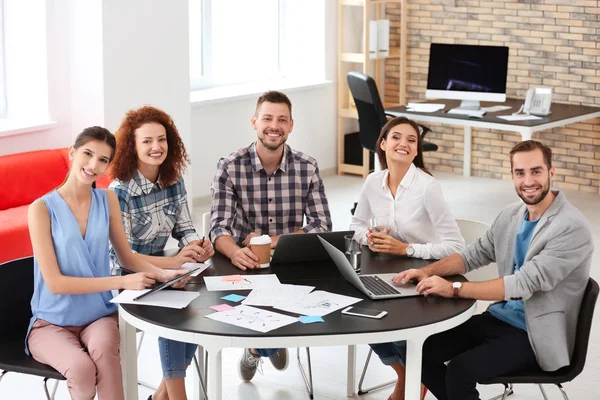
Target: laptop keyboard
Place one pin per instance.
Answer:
(377, 286)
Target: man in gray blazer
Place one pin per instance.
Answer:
(543, 248)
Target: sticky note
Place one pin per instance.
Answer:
(305, 319)
(233, 297)
(221, 307)
(232, 278)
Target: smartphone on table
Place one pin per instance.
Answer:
(364, 312)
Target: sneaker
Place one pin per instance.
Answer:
(280, 359)
(248, 365)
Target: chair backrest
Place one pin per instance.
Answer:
(16, 289)
(371, 114)
(206, 224)
(584, 327)
(471, 231)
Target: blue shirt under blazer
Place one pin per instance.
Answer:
(78, 257)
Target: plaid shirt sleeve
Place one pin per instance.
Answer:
(123, 197)
(223, 204)
(184, 231)
(318, 217)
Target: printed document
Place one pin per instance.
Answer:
(248, 282)
(164, 298)
(519, 117)
(425, 107)
(252, 318)
(318, 303)
(272, 296)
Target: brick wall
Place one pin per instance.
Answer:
(552, 43)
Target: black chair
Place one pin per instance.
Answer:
(371, 114)
(16, 289)
(564, 374)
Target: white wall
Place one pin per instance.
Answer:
(221, 128)
(142, 57)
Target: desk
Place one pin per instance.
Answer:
(562, 115)
(413, 319)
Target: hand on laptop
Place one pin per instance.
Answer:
(244, 258)
(381, 242)
(435, 285)
(409, 275)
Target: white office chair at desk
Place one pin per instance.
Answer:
(470, 230)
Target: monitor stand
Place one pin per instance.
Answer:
(470, 108)
(469, 105)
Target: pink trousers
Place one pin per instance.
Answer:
(88, 356)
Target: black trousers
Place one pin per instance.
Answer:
(481, 348)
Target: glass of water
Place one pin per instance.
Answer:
(381, 224)
(353, 252)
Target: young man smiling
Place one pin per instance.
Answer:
(265, 189)
(543, 248)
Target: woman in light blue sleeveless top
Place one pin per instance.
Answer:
(74, 326)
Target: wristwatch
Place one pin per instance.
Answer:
(456, 286)
(410, 251)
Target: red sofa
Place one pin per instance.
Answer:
(25, 177)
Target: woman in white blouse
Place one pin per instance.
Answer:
(410, 202)
(406, 195)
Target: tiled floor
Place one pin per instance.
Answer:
(472, 198)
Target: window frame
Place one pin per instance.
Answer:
(206, 81)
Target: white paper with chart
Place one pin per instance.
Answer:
(318, 303)
(253, 318)
(275, 295)
(240, 282)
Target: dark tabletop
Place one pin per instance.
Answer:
(559, 112)
(402, 313)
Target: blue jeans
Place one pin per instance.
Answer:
(266, 352)
(391, 353)
(175, 357)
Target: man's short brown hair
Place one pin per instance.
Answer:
(531, 145)
(273, 96)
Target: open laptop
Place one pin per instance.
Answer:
(376, 286)
(303, 248)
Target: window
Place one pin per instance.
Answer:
(261, 40)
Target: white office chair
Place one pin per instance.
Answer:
(470, 231)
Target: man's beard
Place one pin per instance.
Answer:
(271, 147)
(544, 192)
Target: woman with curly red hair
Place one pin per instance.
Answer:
(148, 168)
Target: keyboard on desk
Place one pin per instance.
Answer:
(469, 113)
(377, 286)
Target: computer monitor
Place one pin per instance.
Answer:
(470, 73)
